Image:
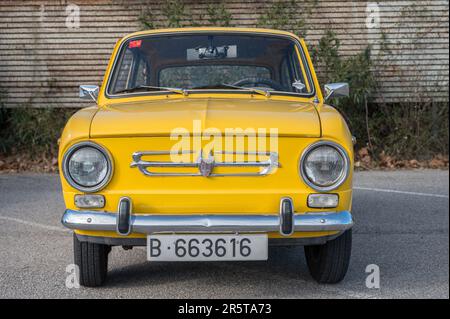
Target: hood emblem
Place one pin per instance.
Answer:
(205, 165)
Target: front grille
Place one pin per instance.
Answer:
(206, 165)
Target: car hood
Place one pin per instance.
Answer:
(161, 118)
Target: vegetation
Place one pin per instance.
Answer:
(417, 130)
(410, 131)
(218, 15)
(146, 19)
(175, 12)
(280, 15)
(32, 130)
(355, 70)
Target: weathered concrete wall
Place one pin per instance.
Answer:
(43, 61)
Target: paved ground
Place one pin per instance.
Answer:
(402, 226)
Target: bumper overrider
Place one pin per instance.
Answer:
(286, 222)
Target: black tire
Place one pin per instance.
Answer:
(92, 262)
(329, 263)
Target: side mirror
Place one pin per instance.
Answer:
(336, 90)
(88, 92)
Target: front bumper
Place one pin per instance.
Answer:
(286, 222)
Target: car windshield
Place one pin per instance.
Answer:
(224, 62)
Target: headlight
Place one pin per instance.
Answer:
(324, 166)
(87, 167)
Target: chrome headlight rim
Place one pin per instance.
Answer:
(65, 167)
(342, 178)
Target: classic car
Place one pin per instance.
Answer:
(209, 144)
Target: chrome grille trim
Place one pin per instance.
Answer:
(267, 167)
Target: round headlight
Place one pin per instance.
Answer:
(324, 166)
(87, 167)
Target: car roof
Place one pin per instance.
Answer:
(210, 29)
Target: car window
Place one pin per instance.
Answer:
(122, 74)
(207, 75)
(208, 61)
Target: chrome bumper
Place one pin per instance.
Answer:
(207, 223)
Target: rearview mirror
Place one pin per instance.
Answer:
(88, 92)
(223, 52)
(336, 90)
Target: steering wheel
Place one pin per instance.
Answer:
(253, 82)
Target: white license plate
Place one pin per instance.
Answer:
(206, 247)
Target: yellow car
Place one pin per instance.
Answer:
(209, 144)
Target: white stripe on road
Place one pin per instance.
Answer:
(399, 192)
(25, 222)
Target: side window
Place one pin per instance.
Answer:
(123, 74)
(133, 71)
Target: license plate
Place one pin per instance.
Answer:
(206, 247)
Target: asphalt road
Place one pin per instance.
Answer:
(402, 221)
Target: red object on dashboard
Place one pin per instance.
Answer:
(135, 44)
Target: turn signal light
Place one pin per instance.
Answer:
(89, 201)
(323, 200)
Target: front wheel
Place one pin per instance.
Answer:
(329, 263)
(92, 262)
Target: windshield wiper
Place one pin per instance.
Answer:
(225, 85)
(153, 88)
